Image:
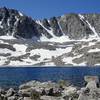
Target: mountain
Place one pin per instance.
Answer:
(68, 40)
(75, 26)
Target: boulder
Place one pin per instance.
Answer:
(69, 90)
(91, 91)
(1, 97)
(90, 78)
(2, 91)
(12, 98)
(35, 95)
(51, 98)
(10, 92)
(20, 98)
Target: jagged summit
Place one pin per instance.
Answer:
(68, 40)
(74, 26)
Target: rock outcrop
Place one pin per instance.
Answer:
(35, 90)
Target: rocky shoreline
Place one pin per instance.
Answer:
(35, 90)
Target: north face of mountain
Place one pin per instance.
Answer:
(75, 26)
(68, 40)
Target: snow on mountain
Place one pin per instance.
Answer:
(90, 26)
(17, 52)
(68, 40)
(5, 37)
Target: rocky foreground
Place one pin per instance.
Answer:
(62, 90)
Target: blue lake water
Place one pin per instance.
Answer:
(13, 77)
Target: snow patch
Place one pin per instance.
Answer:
(19, 63)
(20, 47)
(2, 60)
(69, 60)
(6, 37)
(17, 19)
(94, 50)
(5, 51)
(1, 25)
(82, 64)
(98, 64)
(20, 14)
(69, 90)
(48, 54)
(49, 64)
(49, 31)
(60, 27)
(8, 22)
(56, 39)
(78, 56)
(91, 43)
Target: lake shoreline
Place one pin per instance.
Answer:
(15, 76)
(35, 90)
(63, 90)
(30, 66)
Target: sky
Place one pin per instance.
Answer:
(39, 9)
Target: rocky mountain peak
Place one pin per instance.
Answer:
(63, 41)
(16, 24)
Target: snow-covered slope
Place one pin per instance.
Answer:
(68, 40)
(19, 52)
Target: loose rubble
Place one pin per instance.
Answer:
(36, 90)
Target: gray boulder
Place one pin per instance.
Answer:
(12, 98)
(10, 92)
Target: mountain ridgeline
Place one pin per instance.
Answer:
(68, 40)
(75, 26)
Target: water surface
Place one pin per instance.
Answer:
(13, 77)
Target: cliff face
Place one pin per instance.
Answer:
(75, 26)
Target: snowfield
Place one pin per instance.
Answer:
(71, 53)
